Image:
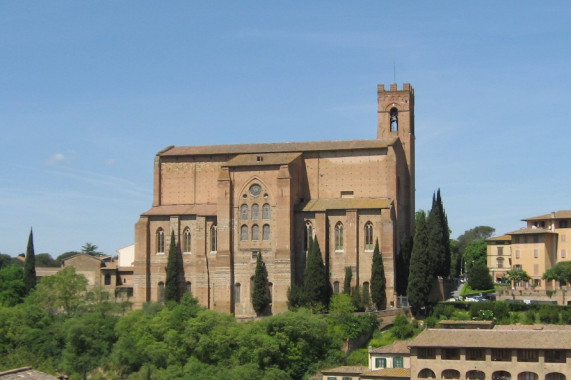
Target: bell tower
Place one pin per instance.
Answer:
(396, 120)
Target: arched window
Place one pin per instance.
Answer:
(339, 236)
(266, 211)
(308, 235)
(501, 375)
(369, 236)
(555, 376)
(237, 287)
(266, 232)
(527, 376)
(336, 287)
(394, 120)
(244, 212)
(366, 287)
(244, 232)
(255, 232)
(160, 241)
(188, 287)
(255, 212)
(213, 239)
(161, 291)
(187, 240)
(427, 373)
(475, 375)
(450, 374)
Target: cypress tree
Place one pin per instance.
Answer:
(403, 265)
(30, 265)
(347, 282)
(315, 282)
(438, 238)
(378, 281)
(261, 291)
(173, 268)
(420, 275)
(445, 236)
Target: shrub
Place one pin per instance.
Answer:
(443, 310)
(430, 322)
(402, 328)
(548, 315)
(566, 316)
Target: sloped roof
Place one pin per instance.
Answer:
(345, 203)
(500, 238)
(356, 370)
(25, 373)
(525, 231)
(398, 347)
(526, 339)
(197, 209)
(386, 373)
(262, 159)
(277, 147)
(563, 214)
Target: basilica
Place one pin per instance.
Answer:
(228, 203)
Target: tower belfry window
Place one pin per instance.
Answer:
(394, 120)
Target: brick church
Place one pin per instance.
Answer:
(227, 203)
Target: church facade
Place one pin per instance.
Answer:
(227, 203)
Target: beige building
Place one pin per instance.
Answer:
(497, 354)
(544, 242)
(499, 256)
(226, 203)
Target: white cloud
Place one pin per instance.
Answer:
(57, 159)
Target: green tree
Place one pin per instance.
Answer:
(473, 234)
(30, 265)
(420, 276)
(479, 277)
(12, 287)
(516, 276)
(65, 290)
(316, 282)
(172, 292)
(402, 328)
(438, 238)
(403, 264)
(261, 292)
(90, 249)
(560, 272)
(378, 281)
(347, 281)
(296, 297)
(60, 259)
(45, 260)
(475, 253)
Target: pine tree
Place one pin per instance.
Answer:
(438, 238)
(378, 281)
(315, 282)
(420, 275)
(347, 282)
(261, 291)
(172, 281)
(30, 265)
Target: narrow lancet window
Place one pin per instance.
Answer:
(394, 120)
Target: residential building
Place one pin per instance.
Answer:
(499, 256)
(227, 203)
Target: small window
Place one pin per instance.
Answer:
(160, 241)
(563, 224)
(527, 355)
(369, 236)
(380, 362)
(336, 287)
(213, 239)
(501, 355)
(188, 287)
(536, 253)
(339, 237)
(555, 356)
(255, 212)
(308, 236)
(237, 287)
(161, 291)
(244, 212)
(255, 232)
(563, 238)
(475, 354)
(266, 232)
(563, 253)
(500, 251)
(187, 240)
(517, 254)
(426, 353)
(398, 362)
(394, 120)
(107, 278)
(244, 232)
(451, 354)
(536, 238)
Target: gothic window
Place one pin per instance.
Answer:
(160, 241)
(394, 120)
(255, 212)
(244, 232)
(188, 287)
(244, 212)
(266, 232)
(213, 239)
(237, 287)
(369, 236)
(187, 240)
(255, 232)
(266, 211)
(161, 292)
(339, 236)
(308, 235)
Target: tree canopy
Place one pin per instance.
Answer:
(479, 277)
(560, 272)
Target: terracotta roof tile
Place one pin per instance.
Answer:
(398, 347)
(386, 372)
(277, 147)
(262, 159)
(522, 231)
(345, 370)
(500, 238)
(563, 214)
(200, 209)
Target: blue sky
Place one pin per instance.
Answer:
(91, 91)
